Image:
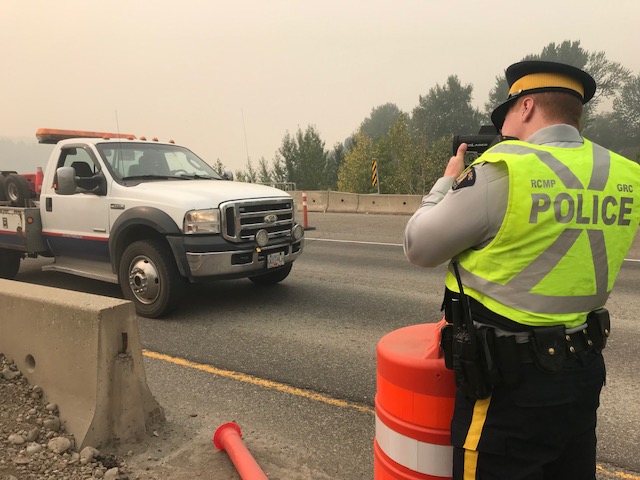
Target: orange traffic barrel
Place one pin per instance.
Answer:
(414, 406)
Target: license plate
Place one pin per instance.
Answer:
(275, 260)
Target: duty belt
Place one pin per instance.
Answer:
(483, 356)
(547, 347)
(576, 340)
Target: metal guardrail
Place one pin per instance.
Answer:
(286, 186)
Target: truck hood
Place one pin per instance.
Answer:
(199, 194)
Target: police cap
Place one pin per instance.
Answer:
(534, 76)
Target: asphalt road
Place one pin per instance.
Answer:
(295, 363)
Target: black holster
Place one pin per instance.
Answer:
(464, 353)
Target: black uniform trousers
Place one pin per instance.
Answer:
(541, 429)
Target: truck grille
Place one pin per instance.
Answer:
(242, 219)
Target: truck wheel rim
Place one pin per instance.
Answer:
(12, 192)
(144, 280)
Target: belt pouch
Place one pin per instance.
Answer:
(548, 347)
(508, 359)
(446, 344)
(599, 328)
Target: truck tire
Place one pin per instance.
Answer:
(149, 277)
(16, 190)
(272, 277)
(9, 264)
(2, 194)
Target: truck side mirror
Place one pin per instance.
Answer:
(227, 175)
(65, 181)
(97, 184)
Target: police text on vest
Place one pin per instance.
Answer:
(585, 209)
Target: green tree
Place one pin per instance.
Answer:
(435, 162)
(264, 174)
(279, 170)
(404, 175)
(248, 175)
(305, 158)
(446, 110)
(604, 129)
(378, 123)
(355, 172)
(219, 167)
(626, 108)
(335, 158)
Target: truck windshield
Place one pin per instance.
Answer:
(141, 161)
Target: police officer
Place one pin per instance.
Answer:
(537, 229)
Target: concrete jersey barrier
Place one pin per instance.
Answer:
(342, 202)
(388, 203)
(84, 351)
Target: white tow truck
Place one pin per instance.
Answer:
(148, 215)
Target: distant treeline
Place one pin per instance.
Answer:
(23, 155)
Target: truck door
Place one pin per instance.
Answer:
(77, 225)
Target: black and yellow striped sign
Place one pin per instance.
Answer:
(374, 173)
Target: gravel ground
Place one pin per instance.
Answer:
(34, 444)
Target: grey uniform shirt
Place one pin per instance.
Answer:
(451, 221)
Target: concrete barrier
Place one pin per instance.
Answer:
(297, 197)
(375, 203)
(84, 351)
(340, 202)
(317, 200)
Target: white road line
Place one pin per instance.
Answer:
(398, 244)
(353, 241)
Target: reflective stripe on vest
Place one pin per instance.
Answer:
(517, 285)
(421, 457)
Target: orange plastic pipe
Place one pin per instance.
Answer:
(304, 210)
(228, 437)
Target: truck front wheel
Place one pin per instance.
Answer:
(149, 277)
(9, 264)
(272, 277)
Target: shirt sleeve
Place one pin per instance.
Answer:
(450, 221)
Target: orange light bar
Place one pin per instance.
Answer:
(54, 135)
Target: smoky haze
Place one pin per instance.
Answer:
(229, 79)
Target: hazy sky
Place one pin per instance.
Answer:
(204, 72)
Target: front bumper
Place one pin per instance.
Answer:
(238, 263)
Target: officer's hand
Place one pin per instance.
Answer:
(456, 163)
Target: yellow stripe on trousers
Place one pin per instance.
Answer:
(473, 438)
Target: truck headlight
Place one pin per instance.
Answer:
(202, 221)
(297, 232)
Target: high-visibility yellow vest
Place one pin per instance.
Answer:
(571, 217)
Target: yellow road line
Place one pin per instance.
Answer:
(618, 474)
(258, 381)
(301, 393)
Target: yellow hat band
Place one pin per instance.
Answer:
(546, 80)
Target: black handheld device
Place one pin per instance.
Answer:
(476, 144)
